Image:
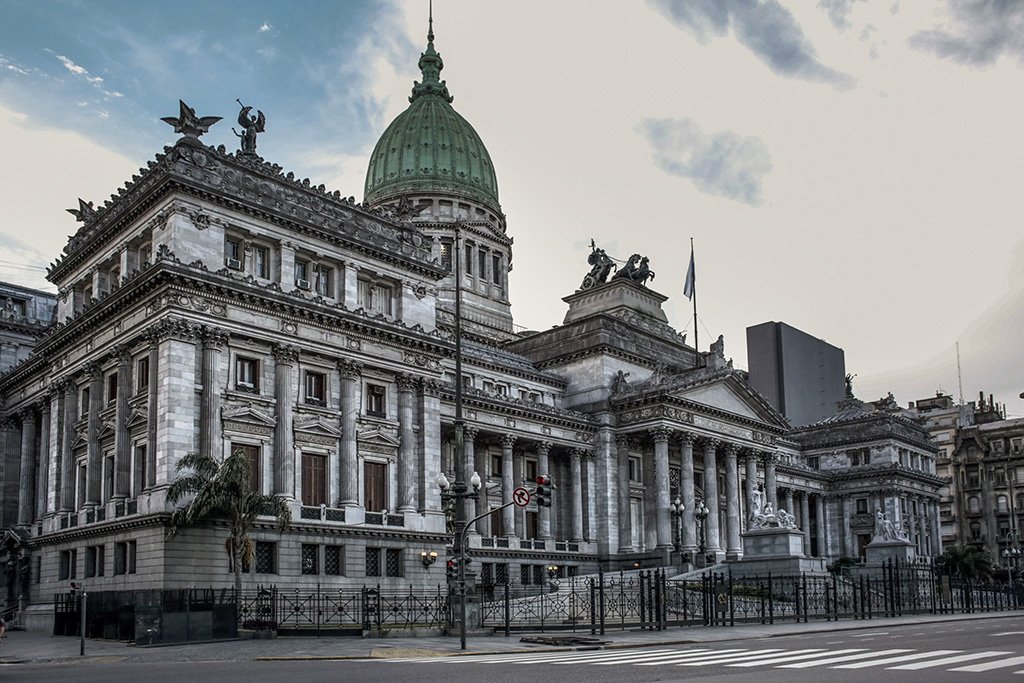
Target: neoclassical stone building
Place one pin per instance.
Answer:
(217, 303)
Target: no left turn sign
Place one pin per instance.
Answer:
(521, 497)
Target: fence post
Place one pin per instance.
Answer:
(659, 598)
(732, 605)
(835, 595)
(508, 609)
(593, 607)
(804, 581)
(771, 600)
(600, 579)
(643, 602)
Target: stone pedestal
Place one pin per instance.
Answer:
(779, 551)
(879, 552)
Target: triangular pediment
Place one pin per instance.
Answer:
(247, 413)
(732, 395)
(136, 419)
(378, 437)
(106, 430)
(316, 425)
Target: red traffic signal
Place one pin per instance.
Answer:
(543, 492)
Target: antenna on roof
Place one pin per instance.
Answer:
(959, 378)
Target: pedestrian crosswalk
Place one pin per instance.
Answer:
(894, 659)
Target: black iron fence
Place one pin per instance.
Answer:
(370, 609)
(647, 599)
(148, 617)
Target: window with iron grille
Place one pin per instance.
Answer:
(538, 574)
(265, 557)
(525, 574)
(333, 560)
(373, 561)
(487, 573)
(501, 574)
(310, 559)
(394, 561)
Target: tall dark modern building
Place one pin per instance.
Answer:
(800, 375)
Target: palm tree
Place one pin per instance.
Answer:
(968, 563)
(222, 489)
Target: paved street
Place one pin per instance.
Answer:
(928, 649)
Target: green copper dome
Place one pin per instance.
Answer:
(429, 148)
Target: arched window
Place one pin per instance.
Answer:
(1002, 504)
(973, 505)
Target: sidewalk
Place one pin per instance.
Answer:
(22, 646)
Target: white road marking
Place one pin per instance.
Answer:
(896, 660)
(681, 659)
(949, 660)
(642, 659)
(876, 633)
(1009, 633)
(793, 657)
(988, 666)
(845, 658)
(717, 658)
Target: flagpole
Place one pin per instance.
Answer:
(696, 345)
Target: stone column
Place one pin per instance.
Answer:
(350, 372)
(732, 503)
(771, 492)
(751, 484)
(936, 527)
(28, 463)
(480, 464)
(508, 515)
(94, 461)
(406, 444)
(805, 520)
(152, 408)
(922, 521)
(590, 531)
(285, 358)
(209, 408)
(687, 498)
(819, 511)
(543, 467)
(576, 475)
(42, 473)
(662, 514)
(849, 542)
(67, 455)
(469, 466)
(519, 478)
(430, 446)
(625, 509)
(122, 443)
(711, 495)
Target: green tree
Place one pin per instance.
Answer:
(968, 563)
(222, 490)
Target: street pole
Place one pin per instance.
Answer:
(81, 644)
(460, 488)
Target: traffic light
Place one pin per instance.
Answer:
(543, 492)
(452, 569)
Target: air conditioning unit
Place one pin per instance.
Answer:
(233, 263)
(302, 284)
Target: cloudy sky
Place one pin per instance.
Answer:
(850, 167)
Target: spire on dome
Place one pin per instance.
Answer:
(430, 65)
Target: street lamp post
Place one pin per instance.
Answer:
(701, 513)
(676, 509)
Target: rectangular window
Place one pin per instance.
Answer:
(446, 255)
(634, 469)
(482, 264)
(120, 559)
(111, 387)
(253, 454)
(501, 574)
(84, 405)
(373, 561)
(233, 253)
(538, 574)
(314, 479)
(139, 470)
(142, 374)
(375, 296)
(496, 268)
(495, 466)
(108, 477)
(376, 400)
(531, 524)
(812, 463)
(334, 564)
(862, 506)
(266, 557)
(469, 257)
(324, 276)
(531, 470)
(302, 274)
(90, 561)
(316, 383)
(310, 559)
(68, 565)
(261, 262)
(525, 574)
(247, 374)
(374, 486)
(393, 562)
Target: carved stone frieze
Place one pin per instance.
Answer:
(422, 360)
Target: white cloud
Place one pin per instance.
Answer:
(265, 27)
(72, 67)
(984, 31)
(722, 163)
